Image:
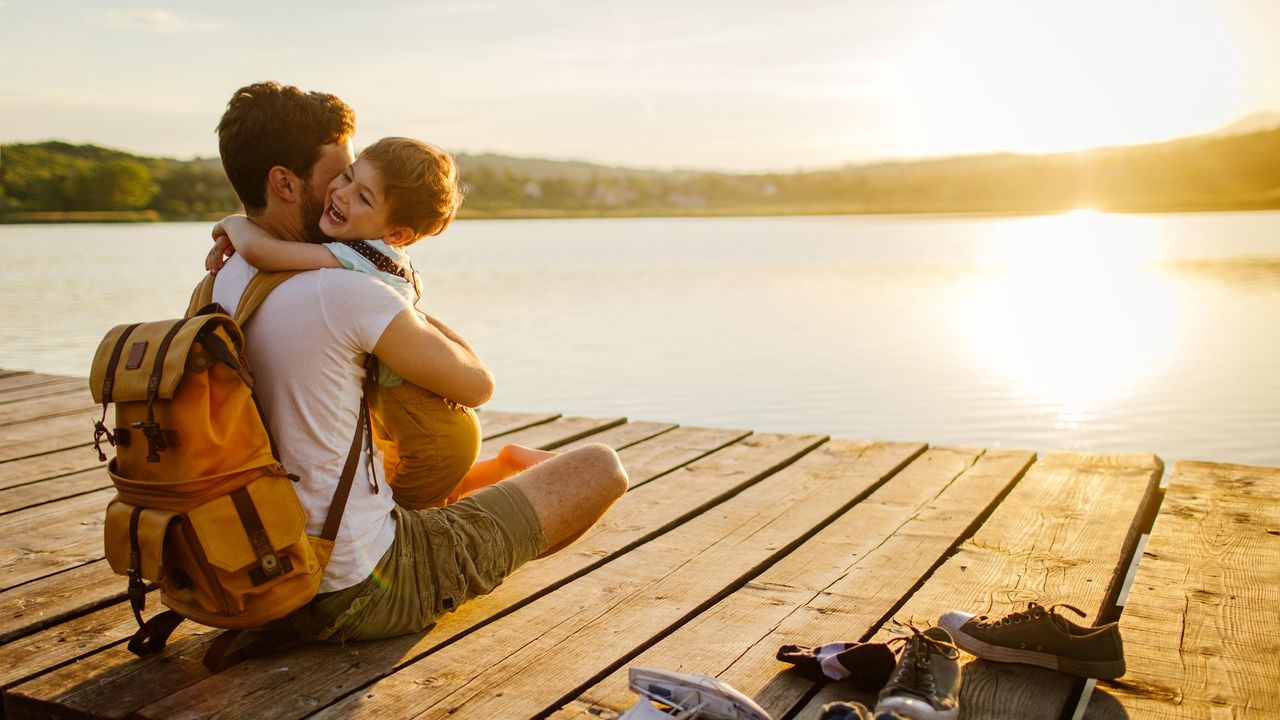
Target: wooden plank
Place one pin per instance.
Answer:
(22, 379)
(64, 403)
(549, 435)
(1199, 626)
(622, 436)
(35, 605)
(49, 538)
(1064, 534)
(54, 387)
(647, 461)
(65, 642)
(44, 491)
(132, 681)
(313, 668)
(43, 436)
(837, 586)
(601, 619)
(496, 422)
(49, 465)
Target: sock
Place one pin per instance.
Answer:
(867, 665)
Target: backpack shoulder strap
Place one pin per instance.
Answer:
(201, 296)
(258, 289)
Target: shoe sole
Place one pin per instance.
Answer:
(1099, 669)
(914, 709)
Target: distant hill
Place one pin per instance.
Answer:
(541, 169)
(1237, 167)
(1237, 170)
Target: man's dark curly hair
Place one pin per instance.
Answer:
(268, 124)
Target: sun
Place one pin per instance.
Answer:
(1072, 310)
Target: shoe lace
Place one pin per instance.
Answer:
(912, 671)
(1034, 611)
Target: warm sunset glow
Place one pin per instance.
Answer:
(1041, 77)
(716, 84)
(1079, 328)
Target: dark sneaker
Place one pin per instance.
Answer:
(1039, 636)
(925, 684)
(845, 711)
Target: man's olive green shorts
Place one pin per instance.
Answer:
(440, 558)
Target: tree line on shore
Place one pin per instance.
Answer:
(53, 180)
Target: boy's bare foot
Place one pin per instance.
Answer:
(522, 458)
(511, 461)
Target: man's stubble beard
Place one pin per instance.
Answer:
(311, 211)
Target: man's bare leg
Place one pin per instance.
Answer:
(511, 460)
(571, 491)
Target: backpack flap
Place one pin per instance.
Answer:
(145, 361)
(226, 525)
(152, 524)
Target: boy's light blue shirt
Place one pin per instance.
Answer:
(352, 260)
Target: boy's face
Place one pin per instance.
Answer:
(334, 158)
(355, 208)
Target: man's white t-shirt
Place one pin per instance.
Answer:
(306, 345)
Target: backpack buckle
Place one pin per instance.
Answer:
(261, 574)
(157, 441)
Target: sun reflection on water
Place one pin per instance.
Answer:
(1073, 309)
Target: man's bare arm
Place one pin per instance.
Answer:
(448, 332)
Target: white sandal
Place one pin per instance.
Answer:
(685, 697)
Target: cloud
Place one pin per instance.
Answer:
(157, 20)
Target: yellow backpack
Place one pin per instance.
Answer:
(204, 509)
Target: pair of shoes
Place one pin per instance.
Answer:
(925, 684)
(1042, 637)
(922, 683)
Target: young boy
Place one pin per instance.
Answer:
(397, 192)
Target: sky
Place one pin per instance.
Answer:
(737, 85)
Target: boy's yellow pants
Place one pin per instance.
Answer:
(428, 443)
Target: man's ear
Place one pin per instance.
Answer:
(282, 183)
(398, 236)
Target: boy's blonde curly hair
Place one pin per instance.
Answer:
(420, 182)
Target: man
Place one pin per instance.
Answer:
(392, 571)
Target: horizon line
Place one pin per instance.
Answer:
(1222, 132)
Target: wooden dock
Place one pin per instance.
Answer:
(728, 545)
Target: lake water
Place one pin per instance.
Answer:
(1081, 331)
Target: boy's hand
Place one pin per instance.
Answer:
(222, 248)
(217, 257)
